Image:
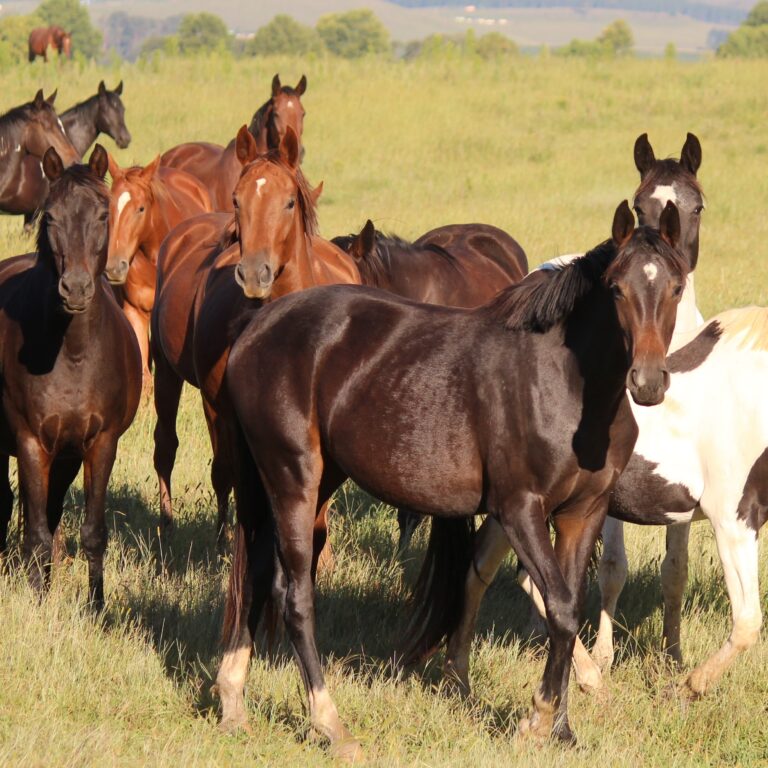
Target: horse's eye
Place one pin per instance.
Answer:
(616, 291)
(698, 209)
(678, 290)
(638, 210)
(141, 209)
(291, 203)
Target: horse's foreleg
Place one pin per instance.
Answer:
(221, 465)
(139, 320)
(674, 576)
(490, 548)
(98, 463)
(611, 576)
(738, 548)
(63, 473)
(6, 503)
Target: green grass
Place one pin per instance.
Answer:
(540, 148)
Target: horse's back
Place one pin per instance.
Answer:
(215, 166)
(189, 194)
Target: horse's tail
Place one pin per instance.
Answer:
(439, 592)
(253, 563)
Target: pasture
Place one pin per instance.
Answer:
(541, 148)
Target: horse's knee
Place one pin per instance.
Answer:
(746, 632)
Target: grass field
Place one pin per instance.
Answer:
(542, 148)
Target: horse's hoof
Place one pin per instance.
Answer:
(235, 724)
(348, 751)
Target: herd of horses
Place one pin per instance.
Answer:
(440, 375)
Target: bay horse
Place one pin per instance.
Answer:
(54, 36)
(457, 265)
(103, 112)
(214, 267)
(218, 167)
(71, 375)
(660, 180)
(26, 132)
(145, 205)
(448, 412)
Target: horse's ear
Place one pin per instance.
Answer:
(52, 97)
(39, 99)
(365, 241)
(690, 157)
(119, 89)
(98, 162)
(102, 89)
(644, 157)
(52, 165)
(276, 85)
(114, 169)
(302, 86)
(289, 148)
(669, 224)
(148, 171)
(623, 224)
(314, 195)
(245, 146)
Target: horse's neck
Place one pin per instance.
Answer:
(260, 132)
(80, 124)
(331, 265)
(688, 319)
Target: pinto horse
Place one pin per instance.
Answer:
(41, 38)
(213, 268)
(448, 412)
(26, 132)
(145, 205)
(71, 374)
(218, 167)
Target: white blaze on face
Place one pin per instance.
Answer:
(650, 271)
(259, 184)
(61, 125)
(122, 201)
(664, 193)
(290, 105)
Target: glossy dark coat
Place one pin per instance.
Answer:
(71, 374)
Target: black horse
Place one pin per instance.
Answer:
(517, 408)
(70, 372)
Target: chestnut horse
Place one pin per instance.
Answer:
(26, 132)
(71, 376)
(218, 167)
(213, 268)
(517, 408)
(55, 37)
(145, 205)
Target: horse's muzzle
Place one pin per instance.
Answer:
(119, 274)
(256, 282)
(648, 385)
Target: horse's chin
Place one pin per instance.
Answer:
(74, 309)
(258, 293)
(113, 279)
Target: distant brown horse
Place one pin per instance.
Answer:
(209, 270)
(145, 205)
(26, 132)
(218, 167)
(69, 367)
(41, 38)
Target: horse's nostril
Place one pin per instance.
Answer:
(265, 274)
(633, 377)
(239, 274)
(665, 378)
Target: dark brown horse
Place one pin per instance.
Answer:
(218, 167)
(145, 205)
(26, 132)
(71, 376)
(101, 113)
(517, 408)
(41, 38)
(210, 270)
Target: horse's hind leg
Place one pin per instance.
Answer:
(674, 576)
(98, 463)
(611, 576)
(167, 395)
(737, 545)
(221, 466)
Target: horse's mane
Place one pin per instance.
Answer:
(81, 106)
(12, 120)
(79, 176)
(543, 299)
(307, 209)
(745, 328)
(666, 169)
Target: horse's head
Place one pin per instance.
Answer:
(675, 180)
(72, 237)
(130, 204)
(646, 280)
(65, 45)
(285, 111)
(274, 212)
(110, 118)
(43, 129)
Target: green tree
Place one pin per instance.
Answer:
(75, 19)
(617, 37)
(201, 32)
(284, 35)
(494, 45)
(14, 34)
(758, 15)
(746, 42)
(353, 34)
